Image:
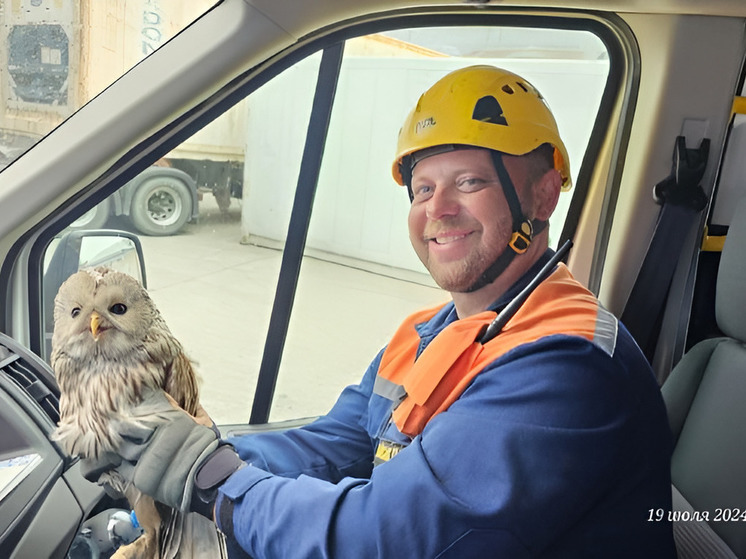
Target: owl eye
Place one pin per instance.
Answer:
(75, 312)
(118, 308)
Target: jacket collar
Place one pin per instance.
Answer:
(445, 316)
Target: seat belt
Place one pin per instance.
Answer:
(682, 199)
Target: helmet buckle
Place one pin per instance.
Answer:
(521, 239)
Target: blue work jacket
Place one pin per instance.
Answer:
(558, 448)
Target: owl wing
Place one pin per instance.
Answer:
(181, 383)
(179, 374)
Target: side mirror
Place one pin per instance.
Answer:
(77, 250)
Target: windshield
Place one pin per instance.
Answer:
(56, 56)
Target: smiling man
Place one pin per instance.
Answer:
(547, 440)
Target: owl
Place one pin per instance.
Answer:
(110, 345)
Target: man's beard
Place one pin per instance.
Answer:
(459, 277)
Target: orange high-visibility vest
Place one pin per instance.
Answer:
(435, 379)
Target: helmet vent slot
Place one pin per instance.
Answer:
(507, 89)
(487, 109)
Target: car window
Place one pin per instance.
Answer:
(56, 56)
(217, 216)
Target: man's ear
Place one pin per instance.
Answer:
(546, 194)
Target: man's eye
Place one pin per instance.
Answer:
(118, 308)
(75, 312)
(471, 184)
(423, 192)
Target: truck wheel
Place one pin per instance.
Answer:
(161, 206)
(95, 218)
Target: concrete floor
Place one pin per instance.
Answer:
(216, 296)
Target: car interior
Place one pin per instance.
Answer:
(235, 156)
(703, 395)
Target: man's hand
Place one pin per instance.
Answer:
(166, 454)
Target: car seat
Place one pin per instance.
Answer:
(705, 395)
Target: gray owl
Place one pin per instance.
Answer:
(110, 344)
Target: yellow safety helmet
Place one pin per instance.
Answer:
(481, 106)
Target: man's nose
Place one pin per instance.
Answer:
(443, 203)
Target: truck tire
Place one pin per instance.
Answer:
(161, 206)
(95, 218)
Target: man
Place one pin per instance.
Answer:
(548, 440)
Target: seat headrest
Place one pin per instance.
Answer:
(730, 294)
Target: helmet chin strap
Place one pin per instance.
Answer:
(524, 229)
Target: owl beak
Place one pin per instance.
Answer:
(95, 324)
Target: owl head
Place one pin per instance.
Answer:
(102, 312)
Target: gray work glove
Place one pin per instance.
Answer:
(167, 455)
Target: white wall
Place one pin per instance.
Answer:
(359, 210)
